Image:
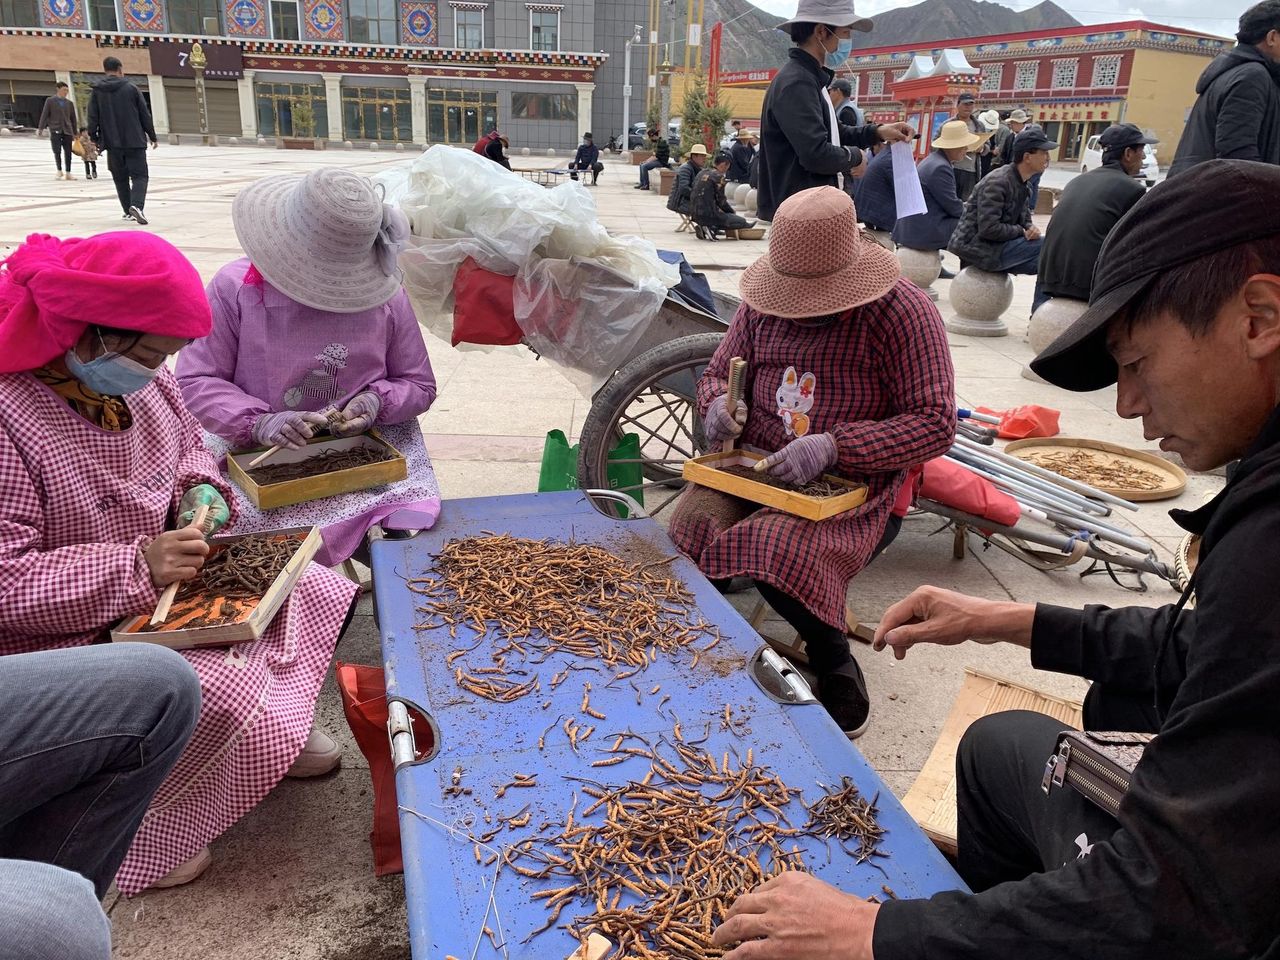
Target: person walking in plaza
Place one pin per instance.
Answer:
(661, 159)
(59, 118)
(932, 229)
(102, 469)
(587, 158)
(1184, 320)
(1090, 207)
(682, 186)
(966, 166)
(120, 124)
(88, 153)
(802, 144)
(1237, 113)
(995, 231)
(314, 316)
(710, 208)
(102, 727)
(849, 373)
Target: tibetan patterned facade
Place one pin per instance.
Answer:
(412, 71)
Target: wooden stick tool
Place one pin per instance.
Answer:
(737, 373)
(330, 413)
(171, 591)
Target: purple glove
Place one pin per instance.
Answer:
(803, 459)
(359, 414)
(718, 425)
(291, 429)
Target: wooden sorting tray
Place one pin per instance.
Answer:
(931, 801)
(254, 615)
(706, 471)
(1174, 480)
(321, 485)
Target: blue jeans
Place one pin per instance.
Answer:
(1020, 256)
(87, 735)
(1039, 297)
(48, 913)
(647, 166)
(1033, 191)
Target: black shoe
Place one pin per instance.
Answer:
(946, 274)
(639, 186)
(844, 694)
(136, 213)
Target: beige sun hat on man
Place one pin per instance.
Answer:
(698, 149)
(833, 13)
(1019, 116)
(325, 240)
(954, 134)
(819, 262)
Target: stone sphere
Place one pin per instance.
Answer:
(921, 267)
(262, 141)
(751, 200)
(399, 148)
(348, 145)
(979, 297)
(1053, 317)
(550, 152)
(740, 194)
(375, 145)
(233, 140)
(5, 132)
(525, 151)
(882, 237)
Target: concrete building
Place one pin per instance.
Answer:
(413, 71)
(1075, 81)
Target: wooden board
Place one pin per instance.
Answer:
(321, 485)
(706, 471)
(1175, 480)
(254, 615)
(932, 798)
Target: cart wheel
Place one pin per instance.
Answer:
(653, 396)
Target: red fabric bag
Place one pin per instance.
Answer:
(1028, 421)
(364, 701)
(483, 307)
(952, 485)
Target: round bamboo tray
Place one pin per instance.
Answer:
(1173, 479)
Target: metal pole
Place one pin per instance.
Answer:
(626, 89)
(1038, 498)
(1057, 478)
(1044, 486)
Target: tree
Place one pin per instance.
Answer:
(654, 116)
(702, 122)
(304, 117)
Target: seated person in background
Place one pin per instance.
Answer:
(848, 372)
(315, 317)
(711, 210)
(102, 469)
(661, 159)
(1090, 206)
(873, 193)
(682, 188)
(1185, 320)
(587, 158)
(932, 229)
(101, 728)
(496, 150)
(741, 153)
(995, 232)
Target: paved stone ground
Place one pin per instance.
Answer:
(293, 878)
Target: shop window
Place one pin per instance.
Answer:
(275, 102)
(372, 21)
(460, 116)
(468, 28)
(1064, 74)
(1106, 72)
(1024, 77)
(544, 29)
(191, 17)
(284, 19)
(102, 15)
(19, 13)
(992, 76)
(376, 113)
(875, 84)
(544, 106)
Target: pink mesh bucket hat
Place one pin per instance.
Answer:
(818, 261)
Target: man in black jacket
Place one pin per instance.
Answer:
(802, 144)
(120, 123)
(1091, 205)
(995, 231)
(682, 187)
(1237, 115)
(709, 207)
(587, 158)
(1185, 318)
(59, 117)
(661, 159)
(741, 154)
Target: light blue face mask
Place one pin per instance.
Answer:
(112, 373)
(837, 57)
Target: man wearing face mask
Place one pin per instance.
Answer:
(802, 143)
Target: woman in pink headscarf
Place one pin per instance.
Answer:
(101, 470)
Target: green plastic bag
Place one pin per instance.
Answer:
(560, 466)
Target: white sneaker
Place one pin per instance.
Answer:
(68, 176)
(320, 755)
(58, 175)
(185, 872)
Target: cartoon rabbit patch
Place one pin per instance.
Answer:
(795, 400)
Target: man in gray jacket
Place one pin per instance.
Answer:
(1237, 116)
(59, 116)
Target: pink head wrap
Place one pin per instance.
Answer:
(51, 290)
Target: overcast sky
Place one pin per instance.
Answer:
(1191, 14)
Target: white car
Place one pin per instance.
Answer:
(1091, 159)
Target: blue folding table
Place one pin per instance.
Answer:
(451, 897)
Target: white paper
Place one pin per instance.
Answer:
(906, 180)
